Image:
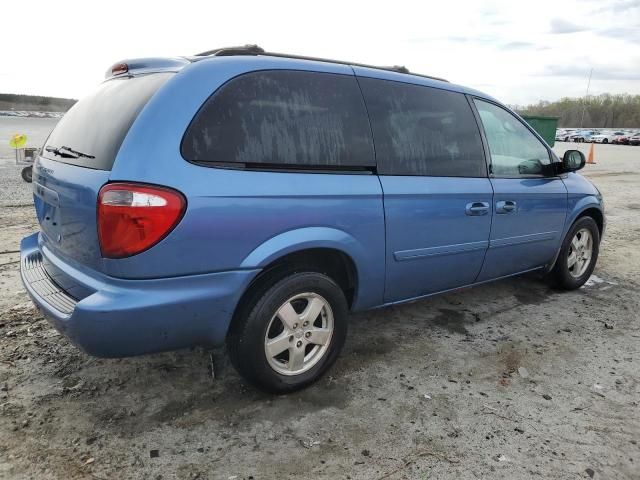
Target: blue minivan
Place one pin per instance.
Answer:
(255, 199)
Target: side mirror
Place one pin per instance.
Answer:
(573, 160)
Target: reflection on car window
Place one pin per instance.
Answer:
(283, 118)
(515, 151)
(421, 130)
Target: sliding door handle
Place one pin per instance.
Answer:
(506, 206)
(477, 208)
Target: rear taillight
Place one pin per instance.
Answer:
(132, 218)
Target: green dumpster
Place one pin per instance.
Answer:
(545, 126)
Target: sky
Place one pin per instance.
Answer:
(519, 52)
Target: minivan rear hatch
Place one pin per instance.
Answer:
(77, 159)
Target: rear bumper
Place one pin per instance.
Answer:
(119, 318)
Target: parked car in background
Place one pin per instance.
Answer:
(564, 135)
(583, 136)
(235, 197)
(635, 140)
(624, 138)
(606, 137)
(621, 139)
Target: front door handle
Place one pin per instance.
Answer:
(477, 208)
(506, 206)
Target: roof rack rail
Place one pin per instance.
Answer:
(256, 50)
(230, 51)
(398, 68)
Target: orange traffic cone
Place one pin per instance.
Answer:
(590, 156)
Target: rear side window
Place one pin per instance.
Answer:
(422, 130)
(98, 123)
(283, 118)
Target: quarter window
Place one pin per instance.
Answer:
(422, 130)
(515, 151)
(283, 118)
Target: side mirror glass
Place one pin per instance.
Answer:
(573, 160)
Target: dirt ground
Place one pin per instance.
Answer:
(508, 380)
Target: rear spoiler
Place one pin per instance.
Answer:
(138, 66)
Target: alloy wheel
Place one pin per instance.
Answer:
(299, 334)
(580, 253)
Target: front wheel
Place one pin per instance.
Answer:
(290, 333)
(578, 255)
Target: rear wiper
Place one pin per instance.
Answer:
(75, 152)
(60, 153)
(67, 152)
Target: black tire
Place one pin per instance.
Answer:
(27, 174)
(560, 276)
(605, 140)
(246, 339)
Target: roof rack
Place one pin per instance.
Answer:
(229, 51)
(256, 50)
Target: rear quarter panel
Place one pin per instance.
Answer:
(244, 219)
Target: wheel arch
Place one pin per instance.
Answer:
(325, 250)
(334, 263)
(588, 206)
(592, 210)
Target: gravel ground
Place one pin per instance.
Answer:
(13, 190)
(508, 380)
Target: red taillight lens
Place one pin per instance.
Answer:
(132, 218)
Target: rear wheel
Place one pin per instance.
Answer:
(288, 334)
(605, 140)
(578, 255)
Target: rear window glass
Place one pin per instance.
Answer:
(422, 130)
(283, 118)
(98, 123)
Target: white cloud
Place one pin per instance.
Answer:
(63, 48)
(558, 25)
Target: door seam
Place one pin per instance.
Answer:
(382, 195)
(493, 203)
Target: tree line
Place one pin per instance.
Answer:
(11, 101)
(595, 111)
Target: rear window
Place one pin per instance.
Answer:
(283, 118)
(422, 130)
(98, 123)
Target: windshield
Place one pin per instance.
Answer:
(97, 124)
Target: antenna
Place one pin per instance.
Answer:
(586, 97)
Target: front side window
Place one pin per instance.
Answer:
(422, 130)
(283, 118)
(515, 151)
